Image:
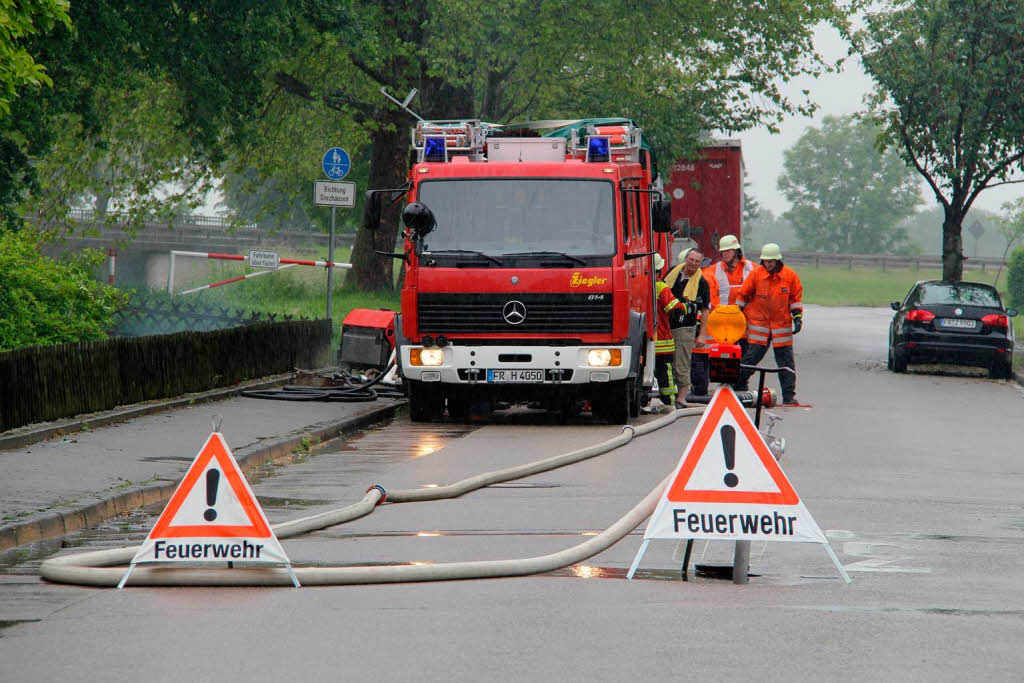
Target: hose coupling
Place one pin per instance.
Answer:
(630, 428)
(383, 493)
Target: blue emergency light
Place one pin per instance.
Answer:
(598, 149)
(434, 149)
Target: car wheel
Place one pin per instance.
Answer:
(899, 360)
(888, 363)
(1002, 367)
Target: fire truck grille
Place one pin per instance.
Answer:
(548, 313)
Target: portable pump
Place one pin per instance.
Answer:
(367, 338)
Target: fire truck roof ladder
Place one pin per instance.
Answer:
(439, 140)
(604, 143)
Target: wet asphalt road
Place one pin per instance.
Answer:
(917, 480)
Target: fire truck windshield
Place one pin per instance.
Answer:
(526, 218)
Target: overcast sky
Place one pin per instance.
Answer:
(836, 94)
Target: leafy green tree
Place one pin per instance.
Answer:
(1015, 278)
(204, 61)
(1011, 228)
(17, 23)
(678, 68)
(751, 207)
(847, 196)
(43, 301)
(767, 227)
(134, 160)
(948, 75)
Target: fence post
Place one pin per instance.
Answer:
(883, 264)
(817, 262)
(849, 265)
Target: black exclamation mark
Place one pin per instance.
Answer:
(729, 447)
(212, 479)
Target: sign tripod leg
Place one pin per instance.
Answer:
(295, 579)
(636, 560)
(835, 561)
(686, 558)
(741, 562)
(124, 578)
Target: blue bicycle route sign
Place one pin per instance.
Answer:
(336, 163)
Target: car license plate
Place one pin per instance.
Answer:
(515, 375)
(958, 323)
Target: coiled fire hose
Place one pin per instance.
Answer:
(350, 392)
(100, 568)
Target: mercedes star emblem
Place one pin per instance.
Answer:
(514, 312)
(959, 311)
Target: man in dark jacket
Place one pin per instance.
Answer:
(690, 287)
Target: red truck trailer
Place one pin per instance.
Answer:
(707, 195)
(528, 268)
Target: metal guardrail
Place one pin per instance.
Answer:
(885, 262)
(192, 229)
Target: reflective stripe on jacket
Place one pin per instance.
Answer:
(722, 280)
(769, 301)
(663, 341)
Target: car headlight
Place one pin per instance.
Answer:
(603, 358)
(426, 357)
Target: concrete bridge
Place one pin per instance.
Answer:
(140, 253)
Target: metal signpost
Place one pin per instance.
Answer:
(336, 164)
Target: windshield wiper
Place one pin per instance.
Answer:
(577, 259)
(490, 258)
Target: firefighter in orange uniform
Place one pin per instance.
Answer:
(725, 279)
(771, 298)
(727, 276)
(664, 344)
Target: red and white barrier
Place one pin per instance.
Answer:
(234, 279)
(285, 263)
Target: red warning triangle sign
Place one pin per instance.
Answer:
(727, 461)
(193, 509)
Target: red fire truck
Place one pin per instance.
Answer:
(707, 195)
(529, 268)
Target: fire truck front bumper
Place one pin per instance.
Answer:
(516, 364)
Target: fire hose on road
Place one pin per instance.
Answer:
(344, 389)
(105, 568)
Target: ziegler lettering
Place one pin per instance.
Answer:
(577, 280)
(712, 523)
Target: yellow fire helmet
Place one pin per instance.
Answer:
(771, 251)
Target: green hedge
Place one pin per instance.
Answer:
(43, 383)
(1015, 278)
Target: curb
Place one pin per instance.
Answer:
(74, 519)
(26, 436)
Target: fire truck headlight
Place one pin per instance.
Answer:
(426, 357)
(603, 358)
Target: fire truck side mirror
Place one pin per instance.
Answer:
(419, 219)
(371, 210)
(662, 216)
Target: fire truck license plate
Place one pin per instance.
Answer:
(515, 375)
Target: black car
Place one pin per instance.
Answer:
(963, 323)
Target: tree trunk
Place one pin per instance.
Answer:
(952, 246)
(390, 144)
